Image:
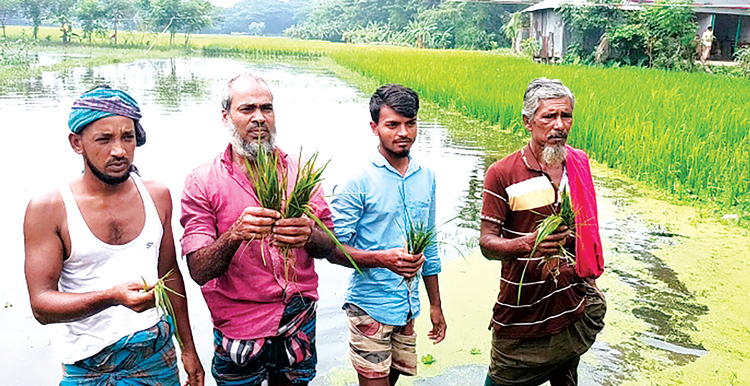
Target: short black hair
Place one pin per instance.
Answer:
(403, 100)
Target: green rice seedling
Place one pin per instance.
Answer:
(161, 298)
(270, 185)
(298, 202)
(564, 217)
(305, 183)
(544, 229)
(271, 188)
(419, 237)
(568, 217)
(567, 213)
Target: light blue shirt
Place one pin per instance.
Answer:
(369, 213)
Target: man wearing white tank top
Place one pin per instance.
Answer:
(90, 245)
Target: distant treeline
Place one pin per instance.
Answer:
(418, 23)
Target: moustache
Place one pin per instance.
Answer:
(116, 161)
(560, 135)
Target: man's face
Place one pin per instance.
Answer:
(551, 124)
(250, 116)
(107, 146)
(396, 133)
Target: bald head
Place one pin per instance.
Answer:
(242, 80)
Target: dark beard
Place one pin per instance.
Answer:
(109, 180)
(394, 154)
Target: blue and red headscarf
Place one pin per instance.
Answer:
(103, 102)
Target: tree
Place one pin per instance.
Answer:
(669, 32)
(8, 8)
(277, 15)
(90, 14)
(196, 15)
(659, 35)
(513, 28)
(35, 11)
(118, 10)
(256, 28)
(62, 11)
(589, 22)
(166, 16)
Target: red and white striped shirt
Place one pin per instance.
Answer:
(517, 196)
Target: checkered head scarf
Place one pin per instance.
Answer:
(103, 102)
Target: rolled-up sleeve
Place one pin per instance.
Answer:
(198, 217)
(319, 207)
(347, 209)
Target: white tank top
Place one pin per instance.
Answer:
(94, 265)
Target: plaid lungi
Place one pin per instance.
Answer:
(145, 358)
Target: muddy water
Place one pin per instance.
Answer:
(651, 312)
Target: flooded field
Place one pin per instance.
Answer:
(660, 312)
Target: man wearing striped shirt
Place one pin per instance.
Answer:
(540, 333)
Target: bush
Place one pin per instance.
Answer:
(530, 47)
(15, 52)
(743, 60)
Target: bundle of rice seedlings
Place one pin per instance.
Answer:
(419, 237)
(163, 304)
(298, 201)
(271, 189)
(270, 185)
(564, 217)
(568, 217)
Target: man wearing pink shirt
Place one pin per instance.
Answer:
(264, 324)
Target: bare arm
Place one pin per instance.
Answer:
(167, 263)
(213, 260)
(437, 334)
(395, 259)
(45, 254)
(495, 247)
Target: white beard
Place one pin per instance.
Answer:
(554, 155)
(250, 149)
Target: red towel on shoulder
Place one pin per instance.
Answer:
(589, 256)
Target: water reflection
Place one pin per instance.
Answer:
(170, 88)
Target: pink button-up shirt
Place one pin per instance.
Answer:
(248, 300)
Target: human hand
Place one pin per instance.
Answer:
(437, 334)
(254, 223)
(401, 262)
(551, 245)
(131, 294)
(193, 367)
(292, 232)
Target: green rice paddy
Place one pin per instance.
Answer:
(682, 132)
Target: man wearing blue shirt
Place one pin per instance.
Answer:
(371, 214)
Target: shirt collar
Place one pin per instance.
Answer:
(529, 159)
(378, 159)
